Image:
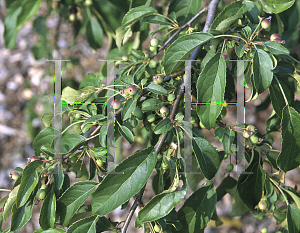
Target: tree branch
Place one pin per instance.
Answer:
(132, 209)
(188, 24)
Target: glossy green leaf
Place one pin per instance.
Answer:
(207, 156)
(252, 12)
(102, 136)
(93, 119)
(69, 94)
(289, 157)
(127, 79)
(69, 141)
(29, 180)
(44, 138)
(229, 14)
(161, 205)
(211, 88)
(47, 214)
(225, 186)
(157, 89)
(127, 180)
(276, 6)
(18, 13)
(184, 10)
(277, 97)
(283, 68)
(276, 48)
(240, 49)
(182, 48)
(250, 184)
(293, 216)
(198, 209)
(122, 33)
(21, 215)
(126, 133)
(86, 225)
(90, 80)
(72, 199)
(152, 105)
(294, 196)
(136, 14)
(163, 126)
(128, 109)
(10, 201)
(227, 141)
(262, 66)
(94, 33)
(47, 118)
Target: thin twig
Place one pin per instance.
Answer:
(132, 209)
(188, 24)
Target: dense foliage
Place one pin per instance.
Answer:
(149, 107)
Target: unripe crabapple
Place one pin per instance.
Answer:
(154, 42)
(164, 111)
(124, 58)
(151, 118)
(14, 176)
(72, 17)
(266, 23)
(275, 36)
(131, 90)
(262, 205)
(229, 167)
(157, 79)
(264, 230)
(116, 104)
(254, 139)
(152, 64)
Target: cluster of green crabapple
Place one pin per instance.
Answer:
(266, 24)
(72, 16)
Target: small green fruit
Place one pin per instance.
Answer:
(266, 23)
(153, 50)
(164, 166)
(171, 97)
(152, 64)
(157, 228)
(230, 167)
(77, 116)
(247, 134)
(264, 230)
(254, 139)
(146, 54)
(275, 36)
(41, 194)
(124, 58)
(99, 162)
(158, 79)
(14, 176)
(79, 174)
(179, 116)
(151, 118)
(262, 205)
(154, 42)
(131, 90)
(124, 92)
(116, 104)
(138, 113)
(251, 128)
(72, 17)
(164, 111)
(44, 186)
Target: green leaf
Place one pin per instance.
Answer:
(99, 152)
(252, 12)
(283, 68)
(229, 15)
(116, 188)
(182, 48)
(72, 199)
(198, 209)
(240, 49)
(184, 10)
(93, 119)
(157, 89)
(69, 94)
(161, 204)
(70, 141)
(94, 33)
(277, 97)
(276, 48)
(276, 6)
(47, 214)
(163, 126)
(44, 138)
(17, 14)
(136, 14)
(294, 196)
(227, 141)
(55, 230)
(293, 216)
(289, 157)
(126, 133)
(211, 88)
(128, 109)
(152, 104)
(127, 79)
(90, 80)
(10, 201)
(29, 180)
(20, 216)
(102, 136)
(86, 225)
(262, 66)
(47, 118)
(226, 185)
(250, 185)
(121, 35)
(58, 175)
(207, 156)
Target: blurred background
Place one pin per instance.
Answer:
(26, 93)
